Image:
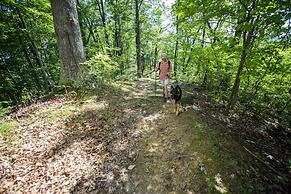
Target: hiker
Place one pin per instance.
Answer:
(164, 68)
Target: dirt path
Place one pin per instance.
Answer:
(123, 139)
(173, 155)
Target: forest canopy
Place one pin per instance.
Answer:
(238, 50)
(86, 105)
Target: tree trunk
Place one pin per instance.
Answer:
(155, 56)
(69, 40)
(176, 46)
(103, 19)
(137, 39)
(91, 31)
(248, 39)
(235, 88)
(32, 69)
(36, 54)
(83, 32)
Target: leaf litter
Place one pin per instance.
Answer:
(121, 142)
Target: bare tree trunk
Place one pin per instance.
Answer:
(137, 38)
(202, 45)
(103, 19)
(91, 31)
(235, 88)
(155, 56)
(117, 31)
(36, 54)
(176, 51)
(69, 40)
(83, 32)
(176, 46)
(32, 68)
(248, 38)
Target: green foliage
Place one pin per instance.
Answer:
(26, 30)
(94, 71)
(210, 44)
(6, 110)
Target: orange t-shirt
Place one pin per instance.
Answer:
(165, 69)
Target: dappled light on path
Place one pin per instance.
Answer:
(126, 140)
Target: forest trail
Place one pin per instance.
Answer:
(122, 139)
(182, 154)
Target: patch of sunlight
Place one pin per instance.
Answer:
(120, 145)
(125, 88)
(152, 118)
(134, 90)
(91, 100)
(149, 187)
(219, 186)
(5, 128)
(144, 126)
(154, 147)
(56, 111)
(199, 126)
(191, 93)
(110, 176)
(95, 106)
(192, 107)
(124, 175)
(51, 115)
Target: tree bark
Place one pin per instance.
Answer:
(176, 46)
(117, 30)
(137, 38)
(32, 68)
(103, 19)
(69, 40)
(91, 31)
(83, 32)
(36, 54)
(248, 39)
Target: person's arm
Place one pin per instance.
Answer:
(157, 67)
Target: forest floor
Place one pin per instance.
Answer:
(122, 138)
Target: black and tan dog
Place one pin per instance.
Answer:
(176, 95)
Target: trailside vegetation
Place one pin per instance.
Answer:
(232, 58)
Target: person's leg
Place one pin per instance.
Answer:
(163, 86)
(166, 87)
(166, 90)
(165, 93)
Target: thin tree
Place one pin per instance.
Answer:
(137, 37)
(248, 38)
(177, 43)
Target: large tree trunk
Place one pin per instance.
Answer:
(137, 38)
(70, 44)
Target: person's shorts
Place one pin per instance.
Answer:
(165, 82)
